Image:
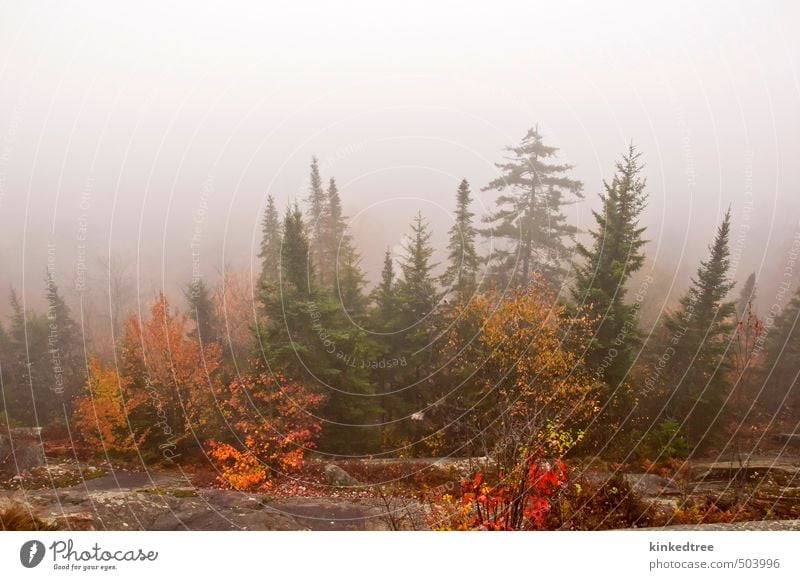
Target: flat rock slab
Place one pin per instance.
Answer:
(167, 501)
(333, 514)
(765, 525)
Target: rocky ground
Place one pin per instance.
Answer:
(77, 496)
(125, 500)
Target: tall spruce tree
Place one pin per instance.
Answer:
(781, 371)
(384, 294)
(615, 254)
(341, 261)
(417, 317)
(529, 224)
(700, 331)
(203, 313)
(317, 208)
(270, 250)
(307, 337)
(65, 347)
(333, 234)
(29, 389)
(460, 278)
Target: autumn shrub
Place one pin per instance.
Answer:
(99, 413)
(159, 399)
(520, 500)
(664, 441)
(271, 425)
(592, 503)
(518, 360)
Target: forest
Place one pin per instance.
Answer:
(528, 361)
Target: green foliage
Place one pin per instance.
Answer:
(270, 250)
(528, 227)
(202, 312)
(310, 338)
(664, 441)
(616, 253)
(782, 345)
(696, 381)
(460, 278)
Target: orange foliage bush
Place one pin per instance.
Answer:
(99, 414)
(272, 426)
(160, 397)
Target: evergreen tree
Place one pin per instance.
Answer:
(746, 297)
(317, 208)
(308, 338)
(28, 381)
(616, 253)
(270, 251)
(341, 261)
(460, 278)
(351, 282)
(532, 190)
(384, 294)
(65, 346)
(782, 367)
(417, 289)
(333, 234)
(7, 386)
(417, 317)
(203, 313)
(700, 331)
(297, 269)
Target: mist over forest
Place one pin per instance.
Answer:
(259, 244)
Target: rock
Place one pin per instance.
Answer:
(648, 484)
(788, 438)
(79, 521)
(20, 450)
(338, 477)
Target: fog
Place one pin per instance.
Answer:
(152, 133)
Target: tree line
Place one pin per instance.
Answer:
(484, 357)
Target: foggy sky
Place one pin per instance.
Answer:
(153, 132)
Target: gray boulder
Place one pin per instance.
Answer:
(338, 477)
(20, 451)
(649, 484)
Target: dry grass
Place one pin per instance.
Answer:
(17, 518)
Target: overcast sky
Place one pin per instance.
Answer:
(148, 127)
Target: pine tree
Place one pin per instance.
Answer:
(384, 294)
(747, 296)
(417, 289)
(460, 278)
(333, 234)
(616, 253)
(28, 380)
(65, 345)
(270, 251)
(351, 282)
(700, 332)
(286, 337)
(297, 268)
(418, 320)
(781, 374)
(532, 190)
(341, 263)
(309, 338)
(7, 386)
(317, 208)
(203, 313)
